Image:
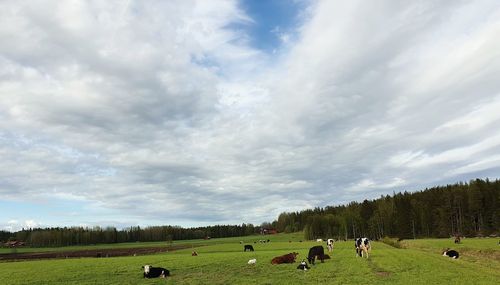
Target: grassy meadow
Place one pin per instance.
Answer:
(222, 261)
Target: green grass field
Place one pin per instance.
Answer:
(222, 261)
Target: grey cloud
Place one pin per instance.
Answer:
(117, 107)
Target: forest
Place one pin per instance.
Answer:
(66, 236)
(465, 209)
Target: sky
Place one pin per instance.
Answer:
(197, 113)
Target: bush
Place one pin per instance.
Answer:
(393, 242)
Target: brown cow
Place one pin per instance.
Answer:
(287, 258)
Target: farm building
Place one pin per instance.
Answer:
(14, 243)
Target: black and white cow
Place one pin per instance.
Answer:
(362, 246)
(303, 266)
(316, 251)
(154, 272)
(248, 247)
(329, 244)
(451, 253)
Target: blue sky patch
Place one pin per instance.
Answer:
(274, 22)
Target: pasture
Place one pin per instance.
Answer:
(222, 261)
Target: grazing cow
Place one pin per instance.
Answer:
(194, 253)
(153, 272)
(303, 265)
(457, 239)
(252, 261)
(316, 251)
(329, 244)
(362, 246)
(319, 240)
(287, 258)
(248, 247)
(451, 253)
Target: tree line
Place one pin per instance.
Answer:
(66, 236)
(465, 209)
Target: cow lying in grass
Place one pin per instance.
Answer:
(303, 266)
(287, 258)
(451, 253)
(154, 272)
(362, 246)
(316, 251)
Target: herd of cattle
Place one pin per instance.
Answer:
(362, 246)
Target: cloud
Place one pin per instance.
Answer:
(164, 112)
(15, 225)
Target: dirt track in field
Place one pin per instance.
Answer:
(96, 253)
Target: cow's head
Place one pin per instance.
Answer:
(146, 268)
(445, 251)
(357, 242)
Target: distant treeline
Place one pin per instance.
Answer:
(467, 209)
(84, 236)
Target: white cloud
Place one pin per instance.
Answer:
(15, 225)
(163, 111)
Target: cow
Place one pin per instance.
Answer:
(316, 251)
(287, 258)
(362, 246)
(252, 261)
(319, 240)
(194, 253)
(303, 265)
(248, 247)
(451, 253)
(153, 272)
(457, 239)
(329, 244)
